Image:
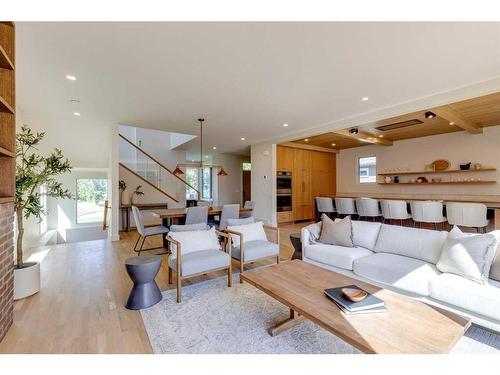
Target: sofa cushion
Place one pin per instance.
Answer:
(404, 273)
(468, 256)
(201, 261)
(253, 250)
(423, 244)
(337, 232)
(337, 256)
(455, 290)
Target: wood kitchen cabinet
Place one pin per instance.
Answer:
(313, 174)
(284, 158)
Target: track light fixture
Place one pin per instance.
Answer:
(354, 131)
(429, 115)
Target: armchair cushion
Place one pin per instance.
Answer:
(200, 261)
(251, 232)
(194, 241)
(243, 221)
(189, 227)
(253, 250)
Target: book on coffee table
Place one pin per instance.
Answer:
(370, 304)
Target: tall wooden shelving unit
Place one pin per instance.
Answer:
(7, 173)
(7, 112)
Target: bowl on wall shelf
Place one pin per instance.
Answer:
(477, 166)
(422, 180)
(465, 166)
(438, 179)
(440, 165)
(388, 179)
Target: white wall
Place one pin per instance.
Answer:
(263, 158)
(86, 145)
(414, 154)
(229, 188)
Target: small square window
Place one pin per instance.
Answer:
(367, 170)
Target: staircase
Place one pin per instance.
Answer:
(147, 168)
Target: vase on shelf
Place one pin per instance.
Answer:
(388, 179)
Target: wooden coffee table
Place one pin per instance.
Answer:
(408, 327)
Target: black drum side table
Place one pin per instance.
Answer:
(142, 270)
(297, 245)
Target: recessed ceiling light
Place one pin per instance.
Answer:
(365, 99)
(76, 101)
(243, 138)
(307, 139)
(452, 123)
(333, 144)
(70, 77)
(285, 125)
(381, 136)
(76, 113)
(214, 148)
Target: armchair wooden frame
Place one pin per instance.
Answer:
(226, 248)
(242, 262)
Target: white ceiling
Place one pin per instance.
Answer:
(246, 79)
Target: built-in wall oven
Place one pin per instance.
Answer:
(284, 191)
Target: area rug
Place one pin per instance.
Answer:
(215, 319)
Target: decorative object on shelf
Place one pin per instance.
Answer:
(354, 295)
(396, 179)
(477, 166)
(465, 166)
(200, 164)
(137, 192)
(388, 179)
(413, 180)
(33, 171)
(438, 179)
(122, 186)
(440, 165)
(422, 180)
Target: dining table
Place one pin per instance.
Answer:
(171, 216)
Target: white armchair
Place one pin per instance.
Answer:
(251, 243)
(196, 253)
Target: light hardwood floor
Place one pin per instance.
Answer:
(80, 306)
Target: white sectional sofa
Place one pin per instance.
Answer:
(404, 260)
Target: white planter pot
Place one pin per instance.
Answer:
(26, 280)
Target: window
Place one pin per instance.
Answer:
(247, 166)
(90, 194)
(197, 179)
(367, 170)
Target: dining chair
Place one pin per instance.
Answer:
(229, 211)
(324, 205)
(146, 232)
(427, 212)
(206, 256)
(367, 207)
(196, 215)
(248, 204)
(472, 215)
(394, 210)
(345, 206)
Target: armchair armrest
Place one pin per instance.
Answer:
(178, 254)
(276, 231)
(233, 232)
(227, 241)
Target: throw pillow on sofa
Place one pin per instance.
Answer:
(467, 255)
(314, 231)
(336, 232)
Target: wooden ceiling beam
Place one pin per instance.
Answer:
(364, 137)
(455, 117)
(310, 147)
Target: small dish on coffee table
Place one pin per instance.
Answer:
(354, 295)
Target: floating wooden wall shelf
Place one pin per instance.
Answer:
(440, 183)
(402, 173)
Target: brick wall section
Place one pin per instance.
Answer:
(6, 262)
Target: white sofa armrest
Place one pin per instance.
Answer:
(305, 239)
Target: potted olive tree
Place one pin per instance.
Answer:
(32, 172)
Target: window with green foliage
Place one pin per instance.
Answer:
(247, 166)
(91, 194)
(197, 179)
